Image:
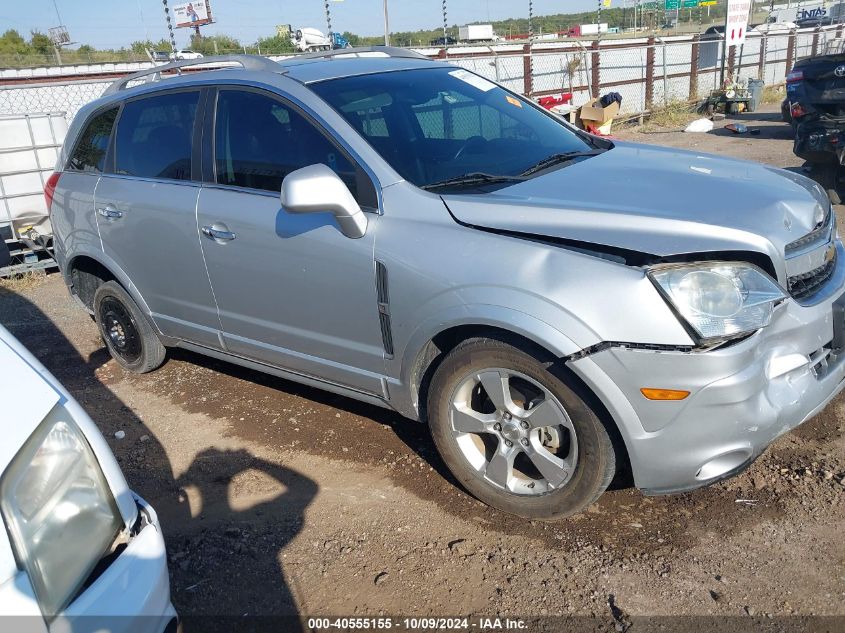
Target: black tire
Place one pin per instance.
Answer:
(126, 332)
(596, 464)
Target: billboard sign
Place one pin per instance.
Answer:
(59, 36)
(191, 14)
(736, 23)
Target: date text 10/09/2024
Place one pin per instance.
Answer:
(416, 624)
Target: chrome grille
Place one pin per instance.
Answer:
(806, 284)
(820, 235)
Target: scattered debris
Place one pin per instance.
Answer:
(736, 128)
(700, 126)
(747, 502)
(120, 435)
(380, 578)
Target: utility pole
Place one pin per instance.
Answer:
(169, 26)
(328, 19)
(445, 23)
(386, 26)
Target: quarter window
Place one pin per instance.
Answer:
(90, 153)
(154, 136)
(259, 141)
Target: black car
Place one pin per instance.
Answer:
(444, 41)
(815, 90)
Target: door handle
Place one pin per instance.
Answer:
(109, 212)
(218, 234)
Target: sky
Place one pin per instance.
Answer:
(116, 23)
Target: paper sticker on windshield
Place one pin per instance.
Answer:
(513, 101)
(473, 80)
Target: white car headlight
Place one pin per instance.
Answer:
(719, 300)
(59, 510)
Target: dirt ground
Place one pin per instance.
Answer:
(282, 499)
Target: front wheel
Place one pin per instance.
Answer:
(516, 435)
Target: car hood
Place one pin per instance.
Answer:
(26, 396)
(656, 201)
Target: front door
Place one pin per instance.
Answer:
(146, 213)
(292, 290)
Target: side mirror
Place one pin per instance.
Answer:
(5, 257)
(317, 189)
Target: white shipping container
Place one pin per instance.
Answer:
(29, 147)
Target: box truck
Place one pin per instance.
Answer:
(476, 33)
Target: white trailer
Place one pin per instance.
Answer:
(582, 30)
(29, 147)
(476, 33)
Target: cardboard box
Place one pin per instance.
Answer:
(596, 115)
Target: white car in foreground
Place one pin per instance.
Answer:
(79, 551)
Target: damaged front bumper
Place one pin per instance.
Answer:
(821, 139)
(742, 396)
(132, 595)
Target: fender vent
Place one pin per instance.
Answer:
(384, 309)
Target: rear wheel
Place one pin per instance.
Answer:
(516, 435)
(127, 334)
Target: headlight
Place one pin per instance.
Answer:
(719, 300)
(59, 510)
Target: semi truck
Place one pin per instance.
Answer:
(585, 30)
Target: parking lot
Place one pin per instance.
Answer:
(281, 499)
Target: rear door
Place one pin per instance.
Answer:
(72, 213)
(146, 212)
(293, 291)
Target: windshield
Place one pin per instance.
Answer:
(435, 125)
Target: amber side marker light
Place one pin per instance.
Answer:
(664, 394)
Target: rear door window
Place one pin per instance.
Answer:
(89, 155)
(154, 136)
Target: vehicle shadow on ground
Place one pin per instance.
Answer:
(223, 560)
(414, 435)
(262, 401)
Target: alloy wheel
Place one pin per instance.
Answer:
(513, 431)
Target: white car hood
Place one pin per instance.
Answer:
(26, 397)
(27, 393)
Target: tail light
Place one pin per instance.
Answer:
(50, 188)
(797, 111)
(795, 76)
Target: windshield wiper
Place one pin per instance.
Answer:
(556, 159)
(468, 180)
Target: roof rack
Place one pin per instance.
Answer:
(247, 62)
(361, 51)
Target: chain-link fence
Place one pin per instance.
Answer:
(67, 97)
(647, 72)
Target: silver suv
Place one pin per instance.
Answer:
(556, 306)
